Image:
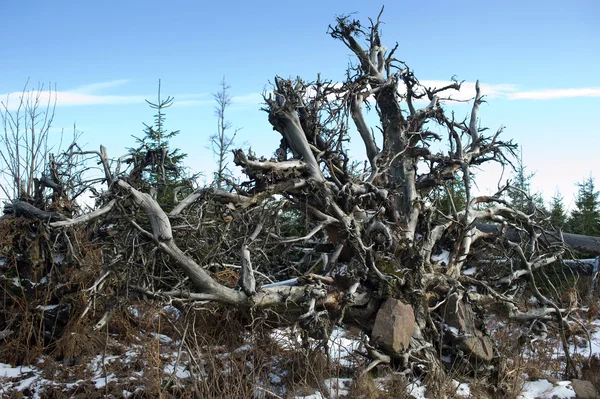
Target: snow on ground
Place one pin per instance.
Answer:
(33, 379)
(286, 338)
(18, 378)
(7, 371)
(441, 258)
(462, 389)
(343, 348)
(544, 389)
(316, 395)
(581, 346)
(338, 387)
(584, 348)
(48, 307)
(342, 345)
(416, 389)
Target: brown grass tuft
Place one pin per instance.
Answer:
(591, 371)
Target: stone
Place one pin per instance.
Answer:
(479, 346)
(394, 325)
(460, 315)
(584, 389)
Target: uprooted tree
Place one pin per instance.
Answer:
(313, 238)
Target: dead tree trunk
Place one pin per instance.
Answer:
(324, 242)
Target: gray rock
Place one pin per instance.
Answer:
(394, 325)
(584, 389)
(479, 346)
(460, 315)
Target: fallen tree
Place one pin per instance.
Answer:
(314, 239)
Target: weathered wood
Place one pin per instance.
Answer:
(24, 209)
(87, 217)
(578, 242)
(247, 280)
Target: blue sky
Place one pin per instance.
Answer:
(538, 60)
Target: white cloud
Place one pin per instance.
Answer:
(70, 98)
(512, 92)
(187, 103)
(553, 94)
(67, 98)
(467, 90)
(248, 99)
(87, 95)
(507, 91)
(191, 99)
(94, 87)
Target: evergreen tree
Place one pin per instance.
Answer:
(157, 167)
(558, 216)
(452, 194)
(520, 196)
(585, 218)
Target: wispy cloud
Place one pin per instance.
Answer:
(201, 100)
(554, 94)
(508, 91)
(466, 93)
(248, 99)
(95, 87)
(89, 94)
(188, 103)
(198, 100)
(81, 95)
(467, 90)
(67, 98)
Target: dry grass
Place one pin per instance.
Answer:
(591, 371)
(213, 352)
(235, 356)
(42, 297)
(392, 386)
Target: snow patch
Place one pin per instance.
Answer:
(316, 395)
(102, 381)
(180, 371)
(453, 330)
(416, 389)
(544, 389)
(164, 339)
(172, 310)
(8, 371)
(338, 387)
(29, 377)
(443, 257)
(462, 389)
(47, 307)
(342, 348)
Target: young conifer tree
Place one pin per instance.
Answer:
(558, 216)
(585, 218)
(158, 168)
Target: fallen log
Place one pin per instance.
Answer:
(579, 242)
(24, 209)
